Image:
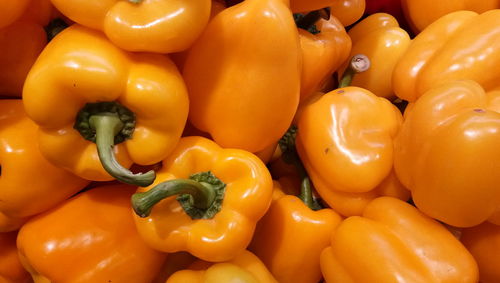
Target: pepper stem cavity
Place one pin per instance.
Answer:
(359, 63)
(308, 21)
(200, 196)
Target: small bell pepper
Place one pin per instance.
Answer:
(394, 242)
(483, 242)
(380, 38)
(243, 75)
(29, 184)
(89, 238)
(447, 153)
(84, 91)
(11, 269)
(244, 268)
(438, 54)
(139, 25)
(346, 11)
(222, 195)
(422, 13)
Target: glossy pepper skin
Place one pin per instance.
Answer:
(421, 14)
(346, 11)
(81, 66)
(244, 268)
(22, 38)
(158, 26)
(447, 153)
(290, 237)
(322, 54)
(483, 242)
(437, 55)
(11, 269)
(394, 242)
(243, 75)
(246, 199)
(345, 141)
(380, 38)
(89, 238)
(29, 183)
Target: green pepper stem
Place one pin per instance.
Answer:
(306, 192)
(203, 195)
(359, 63)
(107, 126)
(135, 1)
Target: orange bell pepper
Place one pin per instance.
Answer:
(346, 11)
(22, 38)
(11, 269)
(394, 242)
(29, 184)
(380, 38)
(83, 89)
(422, 13)
(437, 55)
(139, 25)
(483, 242)
(243, 75)
(215, 215)
(89, 238)
(447, 153)
(244, 268)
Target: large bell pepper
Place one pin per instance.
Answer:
(84, 91)
(222, 195)
(483, 242)
(89, 238)
(460, 45)
(11, 269)
(244, 268)
(29, 184)
(394, 242)
(243, 75)
(346, 11)
(139, 25)
(22, 38)
(447, 153)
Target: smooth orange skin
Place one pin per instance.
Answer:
(346, 11)
(322, 54)
(29, 183)
(421, 14)
(394, 242)
(451, 125)
(243, 75)
(380, 38)
(483, 242)
(437, 55)
(290, 237)
(89, 238)
(244, 268)
(81, 66)
(247, 198)
(10, 11)
(159, 26)
(11, 269)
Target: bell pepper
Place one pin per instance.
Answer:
(437, 55)
(29, 184)
(142, 26)
(89, 238)
(290, 237)
(392, 7)
(380, 38)
(11, 269)
(222, 195)
(394, 242)
(322, 53)
(243, 75)
(346, 11)
(84, 91)
(421, 14)
(244, 268)
(447, 153)
(22, 38)
(483, 242)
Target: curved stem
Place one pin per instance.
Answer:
(358, 64)
(306, 192)
(203, 195)
(107, 126)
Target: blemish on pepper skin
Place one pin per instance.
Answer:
(477, 110)
(340, 91)
(74, 85)
(327, 150)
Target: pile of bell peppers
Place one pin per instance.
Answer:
(294, 141)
